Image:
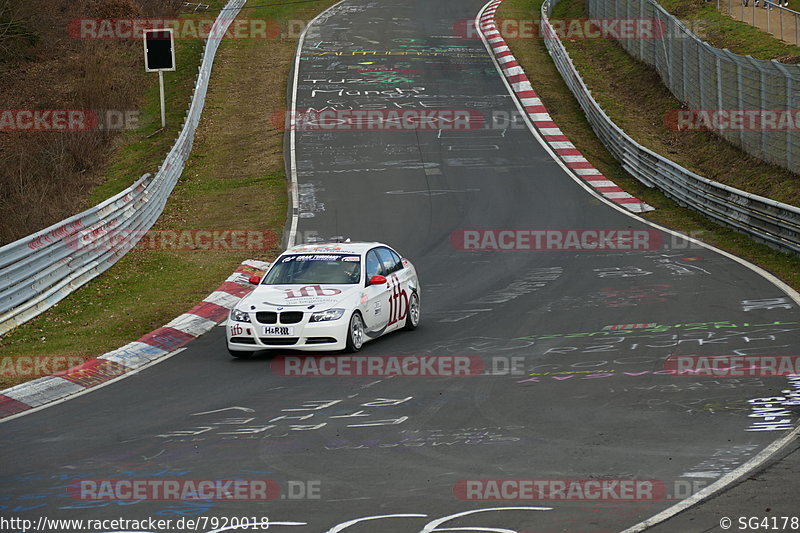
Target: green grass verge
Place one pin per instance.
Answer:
(636, 99)
(724, 32)
(234, 179)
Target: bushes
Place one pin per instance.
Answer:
(45, 176)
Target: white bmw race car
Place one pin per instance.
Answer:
(326, 297)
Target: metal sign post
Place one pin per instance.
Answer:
(159, 56)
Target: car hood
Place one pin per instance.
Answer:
(320, 296)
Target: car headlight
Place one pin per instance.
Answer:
(324, 316)
(239, 316)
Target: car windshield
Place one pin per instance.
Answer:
(315, 268)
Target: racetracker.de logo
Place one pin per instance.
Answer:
(622, 490)
(125, 29)
(67, 120)
(733, 366)
(642, 29)
(41, 120)
(34, 366)
(732, 119)
(173, 489)
(378, 366)
(106, 237)
(555, 240)
(379, 120)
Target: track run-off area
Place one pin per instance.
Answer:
(573, 344)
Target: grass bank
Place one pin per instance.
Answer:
(233, 180)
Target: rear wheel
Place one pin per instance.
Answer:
(355, 333)
(412, 318)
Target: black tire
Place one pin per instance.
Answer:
(240, 355)
(355, 333)
(413, 313)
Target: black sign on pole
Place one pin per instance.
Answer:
(159, 55)
(159, 50)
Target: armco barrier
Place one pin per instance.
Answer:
(38, 271)
(772, 222)
(705, 77)
(137, 354)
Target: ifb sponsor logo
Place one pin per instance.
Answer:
(640, 29)
(555, 240)
(238, 330)
(34, 366)
(191, 489)
(398, 301)
(311, 291)
(733, 366)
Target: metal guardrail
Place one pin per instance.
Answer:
(737, 8)
(39, 270)
(772, 222)
(709, 78)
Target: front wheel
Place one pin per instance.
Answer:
(355, 333)
(412, 319)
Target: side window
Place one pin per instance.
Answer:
(373, 265)
(390, 260)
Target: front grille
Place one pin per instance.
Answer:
(243, 340)
(320, 340)
(286, 341)
(291, 317)
(267, 317)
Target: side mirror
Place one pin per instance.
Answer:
(255, 280)
(377, 280)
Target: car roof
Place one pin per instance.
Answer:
(334, 247)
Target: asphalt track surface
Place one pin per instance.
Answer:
(592, 403)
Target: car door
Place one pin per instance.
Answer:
(398, 278)
(376, 308)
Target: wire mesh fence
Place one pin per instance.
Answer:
(713, 79)
(763, 219)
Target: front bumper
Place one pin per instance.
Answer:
(305, 336)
